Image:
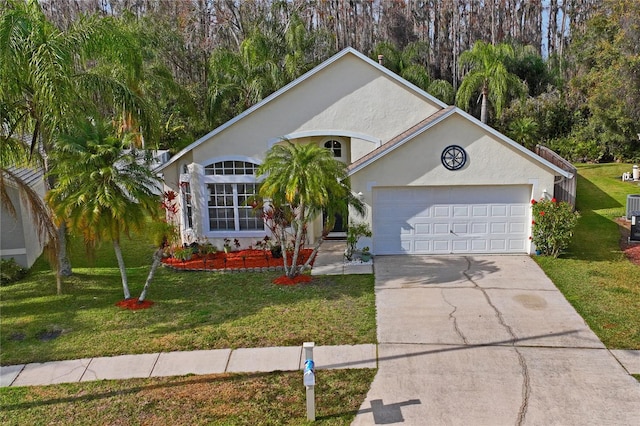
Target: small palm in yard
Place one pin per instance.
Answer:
(304, 179)
(104, 190)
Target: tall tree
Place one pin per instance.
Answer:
(56, 76)
(271, 56)
(105, 187)
(409, 63)
(607, 81)
(304, 178)
(487, 74)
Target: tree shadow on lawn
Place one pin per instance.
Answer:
(597, 235)
(242, 294)
(166, 383)
(192, 310)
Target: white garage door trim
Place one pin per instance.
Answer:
(451, 219)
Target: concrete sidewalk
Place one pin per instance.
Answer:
(216, 361)
(330, 261)
(245, 360)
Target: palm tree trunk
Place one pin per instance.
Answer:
(157, 258)
(296, 248)
(58, 283)
(64, 264)
(483, 109)
(123, 271)
(313, 253)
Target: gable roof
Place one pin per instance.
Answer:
(298, 81)
(431, 121)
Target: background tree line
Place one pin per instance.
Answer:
(222, 56)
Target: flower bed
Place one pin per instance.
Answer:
(133, 304)
(255, 260)
(631, 250)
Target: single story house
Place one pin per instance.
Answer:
(435, 180)
(19, 239)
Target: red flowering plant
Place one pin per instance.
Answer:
(553, 223)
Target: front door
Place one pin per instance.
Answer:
(340, 224)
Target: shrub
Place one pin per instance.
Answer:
(553, 225)
(353, 235)
(10, 271)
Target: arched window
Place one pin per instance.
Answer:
(334, 146)
(231, 185)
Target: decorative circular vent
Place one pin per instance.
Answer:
(453, 157)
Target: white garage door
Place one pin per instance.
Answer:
(443, 220)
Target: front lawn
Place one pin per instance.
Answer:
(193, 310)
(240, 399)
(594, 275)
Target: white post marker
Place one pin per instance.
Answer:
(309, 380)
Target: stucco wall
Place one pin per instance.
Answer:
(417, 163)
(19, 238)
(349, 95)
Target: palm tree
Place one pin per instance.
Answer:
(307, 179)
(487, 73)
(58, 75)
(409, 63)
(269, 57)
(238, 80)
(524, 130)
(442, 90)
(104, 187)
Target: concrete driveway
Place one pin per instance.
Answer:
(488, 340)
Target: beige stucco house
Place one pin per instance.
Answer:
(435, 179)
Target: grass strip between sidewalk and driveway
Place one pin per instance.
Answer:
(594, 275)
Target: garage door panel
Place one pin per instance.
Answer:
(479, 228)
(497, 245)
(441, 228)
(481, 219)
(517, 227)
(498, 228)
(442, 246)
(517, 245)
(518, 211)
(422, 229)
(441, 211)
(460, 228)
(480, 211)
(479, 245)
(498, 211)
(460, 211)
(423, 246)
(461, 245)
(405, 230)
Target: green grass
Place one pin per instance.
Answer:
(594, 275)
(192, 310)
(256, 399)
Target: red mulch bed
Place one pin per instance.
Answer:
(133, 304)
(284, 280)
(239, 260)
(234, 260)
(632, 251)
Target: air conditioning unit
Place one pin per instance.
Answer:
(635, 229)
(633, 205)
